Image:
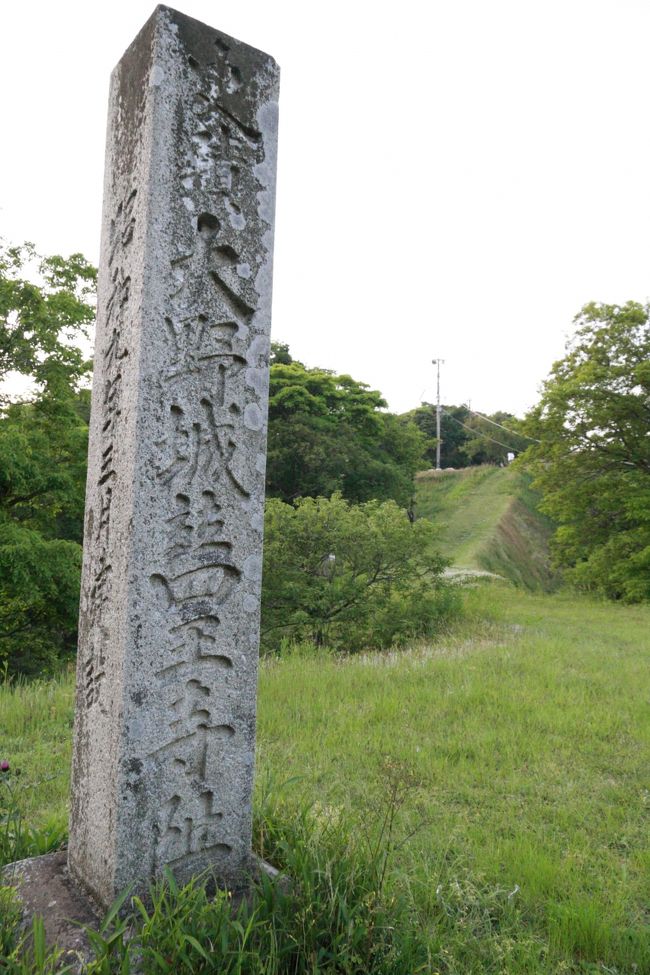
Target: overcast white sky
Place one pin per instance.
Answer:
(456, 179)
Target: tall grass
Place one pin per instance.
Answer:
(530, 733)
(330, 912)
(36, 738)
(524, 738)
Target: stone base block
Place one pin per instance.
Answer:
(46, 889)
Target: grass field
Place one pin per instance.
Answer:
(520, 745)
(468, 503)
(487, 518)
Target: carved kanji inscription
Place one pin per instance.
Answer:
(165, 722)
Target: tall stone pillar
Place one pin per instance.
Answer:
(170, 602)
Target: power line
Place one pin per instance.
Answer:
(500, 426)
(484, 436)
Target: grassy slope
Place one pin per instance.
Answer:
(530, 736)
(488, 521)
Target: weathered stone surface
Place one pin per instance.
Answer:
(46, 890)
(167, 667)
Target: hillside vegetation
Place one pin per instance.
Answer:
(488, 521)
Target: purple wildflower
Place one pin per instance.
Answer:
(4, 766)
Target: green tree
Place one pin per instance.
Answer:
(43, 444)
(280, 354)
(331, 433)
(491, 442)
(350, 576)
(452, 434)
(593, 460)
(41, 323)
(468, 438)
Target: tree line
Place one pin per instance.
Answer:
(468, 438)
(329, 437)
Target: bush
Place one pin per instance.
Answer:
(350, 576)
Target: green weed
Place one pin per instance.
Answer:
(330, 915)
(18, 839)
(22, 954)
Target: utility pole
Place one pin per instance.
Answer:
(437, 363)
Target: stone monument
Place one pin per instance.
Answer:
(170, 600)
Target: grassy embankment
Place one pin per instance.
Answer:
(528, 731)
(489, 521)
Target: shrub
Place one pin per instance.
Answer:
(350, 576)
